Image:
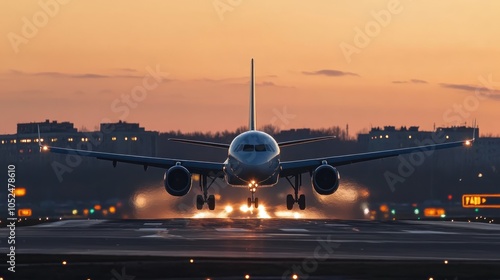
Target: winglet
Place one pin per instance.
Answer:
(474, 130)
(39, 137)
(252, 122)
(42, 147)
(469, 142)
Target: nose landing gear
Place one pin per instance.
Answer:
(253, 200)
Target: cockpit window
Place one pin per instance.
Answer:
(248, 148)
(260, 148)
(257, 148)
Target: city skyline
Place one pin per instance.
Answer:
(173, 65)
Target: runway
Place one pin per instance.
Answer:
(274, 238)
(265, 248)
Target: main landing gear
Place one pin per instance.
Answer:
(253, 200)
(290, 199)
(205, 198)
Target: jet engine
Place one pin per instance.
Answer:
(325, 179)
(177, 180)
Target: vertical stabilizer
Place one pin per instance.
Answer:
(252, 123)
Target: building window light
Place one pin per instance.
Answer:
(126, 138)
(409, 136)
(70, 139)
(53, 140)
(3, 141)
(133, 138)
(386, 136)
(447, 137)
(113, 138)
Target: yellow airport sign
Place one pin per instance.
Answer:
(20, 192)
(24, 212)
(481, 200)
(434, 212)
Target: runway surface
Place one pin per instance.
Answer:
(255, 238)
(258, 248)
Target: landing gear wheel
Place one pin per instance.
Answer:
(211, 202)
(289, 202)
(256, 203)
(199, 202)
(302, 202)
(249, 202)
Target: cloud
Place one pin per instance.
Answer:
(462, 87)
(75, 76)
(233, 79)
(266, 84)
(494, 94)
(330, 73)
(413, 81)
(127, 70)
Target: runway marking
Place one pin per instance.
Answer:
(152, 229)
(474, 225)
(232, 229)
(288, 234)
(427, 232)
(337, 225)
(72, 223)
(153, 224)
(164, 236)
(294, 229)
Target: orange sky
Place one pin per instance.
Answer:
(411, 63)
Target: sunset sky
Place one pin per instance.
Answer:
(318, 63)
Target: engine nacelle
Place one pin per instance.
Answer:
(177, 180)
(325, 179)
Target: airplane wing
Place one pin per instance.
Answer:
(289, 168)
(198, 167)
(303, 141)
(201, 143)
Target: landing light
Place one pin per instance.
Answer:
(228, 209)
(244, 208)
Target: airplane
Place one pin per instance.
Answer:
(253, 162)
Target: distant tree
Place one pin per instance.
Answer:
(270, 129)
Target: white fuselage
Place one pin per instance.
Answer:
(253, 160)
